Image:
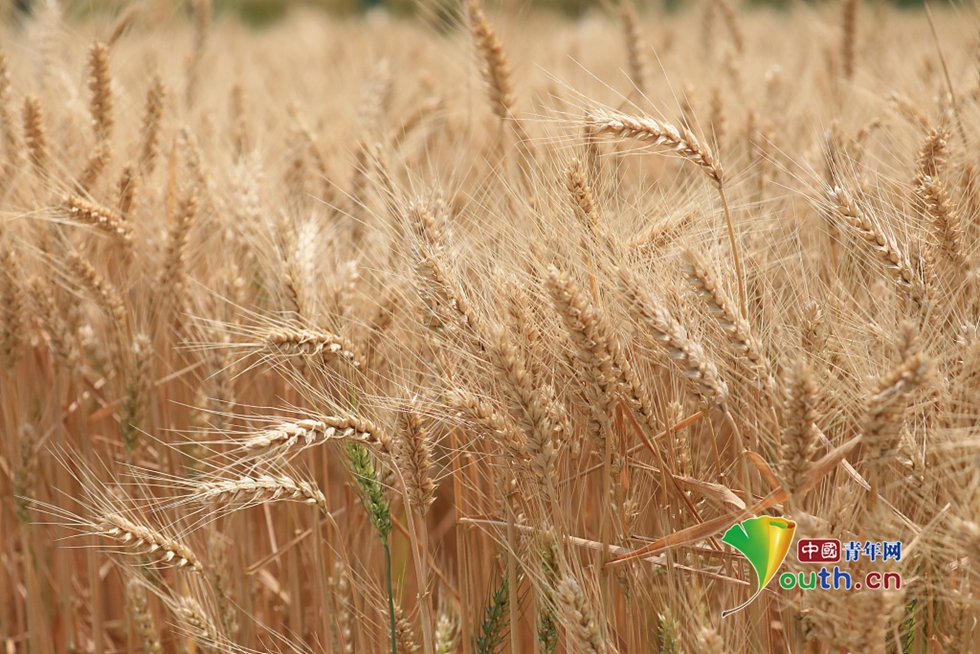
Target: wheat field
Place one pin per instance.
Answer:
(473, 330)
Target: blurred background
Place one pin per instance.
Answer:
(261, 13)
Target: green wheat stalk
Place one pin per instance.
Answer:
(379, 512)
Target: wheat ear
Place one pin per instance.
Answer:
(933, 198)
(8, 135)
(139, 609)
(150, 126)
(146, 541)
(579, 617)
(636, 47)
(414, 456)
(101, 288)
(496, 67)
(34, 134)
(12, 310)
(688, 355)
(884, 246)
(886, 406)
(527, 405)
(99, 83)
(301, 434)
(682, 141)
(102, 218)
(290, 341)
(256, 489)
(737, 329)
(583, 196)
(500, 427)
(798, 437)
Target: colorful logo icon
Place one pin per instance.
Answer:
(764, 541)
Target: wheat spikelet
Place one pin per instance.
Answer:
(444, 299)
(99, 83)
(290, 341)
(146, 541)
(736, 328)
(34, 134)
(687, 354)
(595, 349)
(932, 154)
(150, 126)
(301, 434)
(496, 67)
(662, 234)
(240, 137)
(195, 621)
(94, 166)
(636, 47)
(62, 342)
(122, 25)
(138, 385)
(527, 405)
(583, 196)
(251, 490)
(498, 426)
(173, 275)
(8, 135)
(102, 218)
(885, 247)
(710, 642)
(446, 634)
(934, 200)
(340, 585)
(219, 575)
(414, 456)
(885, 410)
(430, 107)
(404, 633)
(139, 610)
(129, 182)
(659, 134)
(579, 618)
(724, 8)
(101, 288)
(25, 469)
(798, 437)
(202, 12)
(11, 308)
